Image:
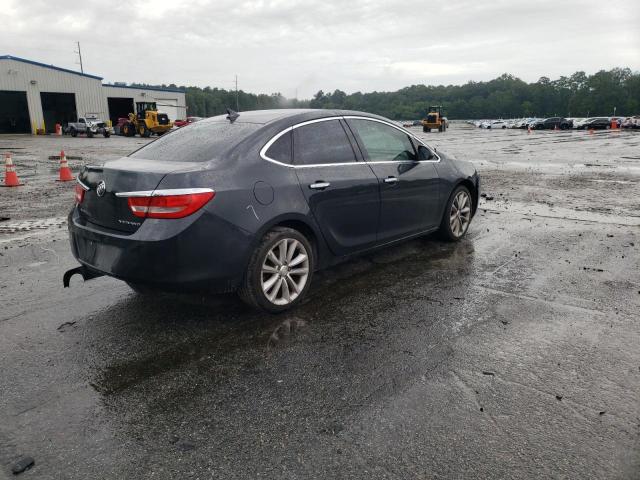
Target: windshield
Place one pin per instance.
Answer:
(201, 142)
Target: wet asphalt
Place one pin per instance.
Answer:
(512, 354)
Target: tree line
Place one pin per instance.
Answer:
(578, 95)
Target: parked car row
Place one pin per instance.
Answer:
(561, 123)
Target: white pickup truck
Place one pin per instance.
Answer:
(88, 125)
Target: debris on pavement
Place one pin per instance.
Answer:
(23, 464)
(64, 326)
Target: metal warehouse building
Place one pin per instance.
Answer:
(34, 95)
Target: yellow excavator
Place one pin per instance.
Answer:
(434, 120)
(146, 121)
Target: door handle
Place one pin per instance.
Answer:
(319, 185)
(391, 180)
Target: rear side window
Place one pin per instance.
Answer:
(322, 143)
(383, 142)
(280, 150)
(197, 142)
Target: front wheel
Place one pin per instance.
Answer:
(457, 215)
(144, 131)
(279, 272)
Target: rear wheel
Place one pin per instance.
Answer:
(457, 215)
(279, 272)
(89, 134)
(73, 132)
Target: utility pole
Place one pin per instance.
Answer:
(79, 52)
(237, 101)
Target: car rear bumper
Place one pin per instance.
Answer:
(176, 255)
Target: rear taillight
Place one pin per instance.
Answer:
(171, 203)
(79, 194)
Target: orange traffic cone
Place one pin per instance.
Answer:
(10, 176)
(614, 124)
(65, 171)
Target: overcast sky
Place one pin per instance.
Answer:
(292, 46)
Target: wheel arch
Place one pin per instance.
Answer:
(302, 224)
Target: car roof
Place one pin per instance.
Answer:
(290, 115)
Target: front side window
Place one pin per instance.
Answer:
(322, 143)
(383, 142)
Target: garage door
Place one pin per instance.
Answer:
(168, 106)
(58, 108)
(14, 112)
(119, 107)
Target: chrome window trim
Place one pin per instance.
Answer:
(264, 156)
(164, 192)
(84, 187)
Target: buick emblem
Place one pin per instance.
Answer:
(101, 188)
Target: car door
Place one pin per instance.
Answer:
(409, 186)
(340, 188)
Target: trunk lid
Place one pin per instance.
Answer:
(123, 175)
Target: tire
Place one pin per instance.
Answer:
(258, 283)
(89, 134)
(144, 131)
(128, 130)
(73, 132)
(447, 231)
(106, 134)
(426, 130)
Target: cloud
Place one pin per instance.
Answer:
(287, 46)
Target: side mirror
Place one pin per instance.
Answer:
(424, 153)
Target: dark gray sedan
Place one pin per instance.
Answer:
(256, 202)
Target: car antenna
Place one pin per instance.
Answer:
(232, 115)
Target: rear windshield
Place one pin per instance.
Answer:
(197, 142)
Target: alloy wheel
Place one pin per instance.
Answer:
(285, 271)
(460, 215)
